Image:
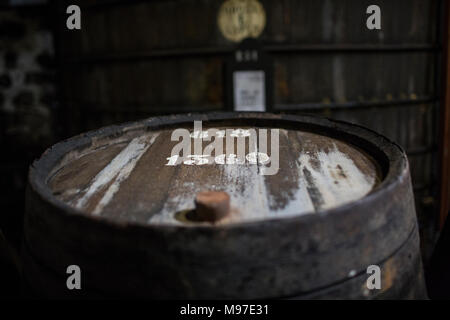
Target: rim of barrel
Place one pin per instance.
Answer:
(388, 154)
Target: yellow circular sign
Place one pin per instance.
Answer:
(240, 19)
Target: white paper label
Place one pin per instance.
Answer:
(249, 93)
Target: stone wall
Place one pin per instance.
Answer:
(27, 104)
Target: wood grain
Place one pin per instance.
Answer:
(131, 180)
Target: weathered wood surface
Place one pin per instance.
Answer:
(131, 180)
(402, 278)
(323, 254)
(163, 85)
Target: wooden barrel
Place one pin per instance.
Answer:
(135, 59)
(313, 203)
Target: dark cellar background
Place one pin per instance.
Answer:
(28, 103)
(55, 83)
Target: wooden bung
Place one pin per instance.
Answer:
(212, 205)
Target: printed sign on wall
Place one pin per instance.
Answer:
(249, 91)
(249, 78)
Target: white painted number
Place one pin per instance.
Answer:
(245, 137)
(374, 20)
(74, 20)
(74, 280)
(374, 281)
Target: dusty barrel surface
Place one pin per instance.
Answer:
(305, 208)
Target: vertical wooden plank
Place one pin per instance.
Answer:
(445, 122)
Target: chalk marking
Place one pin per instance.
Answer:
(355, 185)
(119, 168)
(248, 204)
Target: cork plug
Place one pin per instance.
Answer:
(212, 206)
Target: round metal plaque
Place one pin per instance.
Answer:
(240, 19)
